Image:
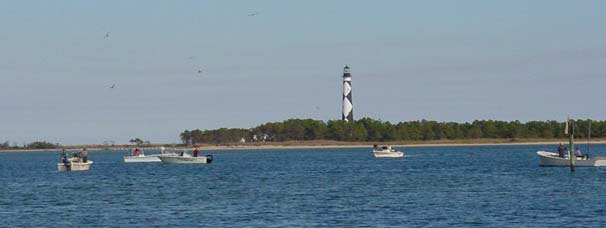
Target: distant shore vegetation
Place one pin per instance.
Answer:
(371, 130)
(34, 145)
(305, 131)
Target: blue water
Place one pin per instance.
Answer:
(484, 186)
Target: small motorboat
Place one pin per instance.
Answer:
(142, 158)
(553, 159)
(74, 164)
(139, 156)
(185, 158)
(386, 152)
(564, 155)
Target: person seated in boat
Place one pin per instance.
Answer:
(196, 152)
(577, 153)
(77, 154)
(375, 147)
(562, 150)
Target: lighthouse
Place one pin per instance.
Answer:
(347, 102)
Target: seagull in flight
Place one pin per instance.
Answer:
(107, 35)
(113, 86)
(253, 14)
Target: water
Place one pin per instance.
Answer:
(486, 186)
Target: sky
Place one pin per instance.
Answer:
(410, 60)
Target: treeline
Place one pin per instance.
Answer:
(33, 145)
(368, 129)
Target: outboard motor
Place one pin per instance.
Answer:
(209, 158)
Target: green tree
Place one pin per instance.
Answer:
(42, 145)
(336, 130)
(367, 129)
(137, 141)
(185, 137)
(5, 145)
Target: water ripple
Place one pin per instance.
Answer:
(433, 187)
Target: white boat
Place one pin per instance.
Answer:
(142, 158)
(185, 158)
(547, 158)
(552, 159)
(74, 164)
(386, 152)
(139, 156)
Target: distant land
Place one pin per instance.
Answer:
(309, 133)
(317, 144)
(367, 130)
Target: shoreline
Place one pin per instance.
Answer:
(314, 145)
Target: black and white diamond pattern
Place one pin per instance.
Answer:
(347, 102)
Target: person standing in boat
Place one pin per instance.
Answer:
(137, 152)
(562, 150)
(196, 152)
(63, 155)
(84, 155)
(65, 160)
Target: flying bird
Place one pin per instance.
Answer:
(107, 35)
(200, 72)
(253, 14)
(113, 86)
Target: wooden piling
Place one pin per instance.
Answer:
(571, 154)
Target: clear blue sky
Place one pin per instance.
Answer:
(439, 60)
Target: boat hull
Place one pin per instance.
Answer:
(185, 159)
(141, 158)
(381, 154)
(75, 166)
(552, 159)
